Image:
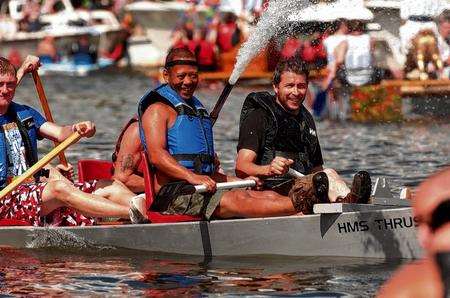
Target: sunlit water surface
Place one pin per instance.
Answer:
(405, 153)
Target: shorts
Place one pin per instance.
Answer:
(25, 203)
(178, 198)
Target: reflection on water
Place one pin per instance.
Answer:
(405, 153)
(118, 272)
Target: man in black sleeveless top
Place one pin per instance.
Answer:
(278, 132)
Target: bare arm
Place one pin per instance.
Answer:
(30, 64)
(340, 52)
(128, 160)
(246, 166)
(55, 132)
(156, 121)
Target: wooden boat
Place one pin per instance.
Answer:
(384, 229)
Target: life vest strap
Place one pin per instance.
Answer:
(183, 109)
(198, 159)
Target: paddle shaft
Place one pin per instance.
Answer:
(295, 174)
(46, 109)
(242, 183)
(40, 164)
(220, 102)
(227, 185)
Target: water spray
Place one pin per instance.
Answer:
(272, 21)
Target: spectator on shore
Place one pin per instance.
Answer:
(291, 47)
(31, 13)
(178, 39)
(46, 50)
(314, 52)
(444, 26)
(205, 49)
(338, 33)
(228, 33)
(83, 51)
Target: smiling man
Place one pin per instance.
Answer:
(21, 127)
(277, 132)
(176, 131)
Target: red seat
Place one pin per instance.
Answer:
(13, 222)
(93, 169)
(157, 217)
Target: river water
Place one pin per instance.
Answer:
(404, 153)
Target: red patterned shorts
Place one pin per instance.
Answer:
(26, 201)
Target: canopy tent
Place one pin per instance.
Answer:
(328, 12)
(428, 8)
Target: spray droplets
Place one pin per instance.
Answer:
(272, 21)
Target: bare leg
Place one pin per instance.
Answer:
(240, 203)
(114, 191)
(60, 193)
(269, 194)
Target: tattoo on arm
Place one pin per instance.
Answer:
(127, 163)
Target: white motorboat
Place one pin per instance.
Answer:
(66, 25)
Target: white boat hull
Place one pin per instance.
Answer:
(388, 233)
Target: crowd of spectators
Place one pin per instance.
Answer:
(218, 34)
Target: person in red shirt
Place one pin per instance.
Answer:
(228, 33)
(291, 47)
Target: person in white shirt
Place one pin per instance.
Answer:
(353, 64)
(340, 30)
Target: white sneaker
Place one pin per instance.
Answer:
(137, 210)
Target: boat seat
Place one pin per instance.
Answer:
(94, 169)
(13, 222)
(153, 216)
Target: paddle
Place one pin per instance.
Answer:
(295, 174)
(227, 185)
(242, 183)
(46, 109)
(220, 102)
(40, 164)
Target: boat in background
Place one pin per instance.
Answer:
(66, 25)
(71, 68)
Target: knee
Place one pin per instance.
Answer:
(331, 173)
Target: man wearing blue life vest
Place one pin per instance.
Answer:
(277, 133)
(177, 135)
(20, 129)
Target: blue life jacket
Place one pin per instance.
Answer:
(190, 140)
(29, 132)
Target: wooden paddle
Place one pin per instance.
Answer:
(46, 109)
(40, 164)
